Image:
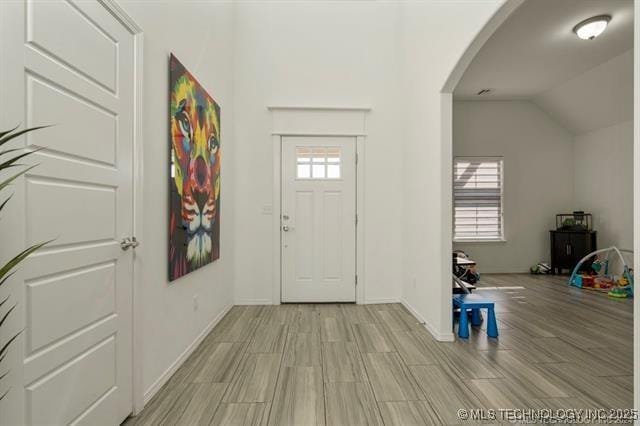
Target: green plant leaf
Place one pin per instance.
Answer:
(9, 151)
(5, 202)
(6, 278)
(14, 177)
(5, 348)
(12, 161)
(19, 258)
(9, 136)
(6, 132)
(4, 318)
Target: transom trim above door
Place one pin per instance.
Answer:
(321, 121)
(340, 121)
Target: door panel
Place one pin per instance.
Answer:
(332, 254)
(58, 398)
(53, 104)
(95, 57)
(52, 321)
(77, 74)
(304, 236)
(318, 219)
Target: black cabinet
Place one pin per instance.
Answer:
(568, 247)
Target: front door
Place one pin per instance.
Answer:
(78, 75)
(318, 224)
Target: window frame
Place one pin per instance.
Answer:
(478, 239)
(325, 163)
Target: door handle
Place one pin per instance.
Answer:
(129, 242)
(285, 228)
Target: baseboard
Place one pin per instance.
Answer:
(382, 300)
(241, 302)
(439, 336)
(164, 377)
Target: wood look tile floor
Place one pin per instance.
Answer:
(559, 348)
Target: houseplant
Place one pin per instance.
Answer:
(9, 159)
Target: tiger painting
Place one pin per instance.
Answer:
(194, 205)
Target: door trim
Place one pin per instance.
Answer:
(138, 202)
(317, 121)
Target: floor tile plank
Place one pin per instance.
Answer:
(241, 414)
(390, 378)
(371, 338)
(351, 404)
(299, 398)
(405, 413)
(342, 362)
(255, 379)
(302, 350)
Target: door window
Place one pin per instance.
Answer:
(318, 162)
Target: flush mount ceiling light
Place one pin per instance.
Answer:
(592, 27)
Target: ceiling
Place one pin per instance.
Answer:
(535, 49)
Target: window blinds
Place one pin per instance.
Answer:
(477, 198)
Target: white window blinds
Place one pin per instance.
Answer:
(477, 198)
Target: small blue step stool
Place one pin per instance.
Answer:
(475, 303)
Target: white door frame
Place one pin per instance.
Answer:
(317, 121)
(138, 201)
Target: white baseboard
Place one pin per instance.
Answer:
(382, 300)
(164, 377)
(439, 336)
(241, 302)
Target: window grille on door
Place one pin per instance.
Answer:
(318, 162)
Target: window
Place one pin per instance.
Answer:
(477, 199)
(318, 162)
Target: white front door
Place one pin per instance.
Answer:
(78, 75)
(318, 224)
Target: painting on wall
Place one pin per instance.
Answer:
(194, 183)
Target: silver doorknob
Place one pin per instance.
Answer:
(285, 228)
(129, 242)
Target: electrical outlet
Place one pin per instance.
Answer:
(195, 302)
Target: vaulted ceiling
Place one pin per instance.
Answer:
(534, 55)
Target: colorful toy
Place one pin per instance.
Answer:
(601, 279)
(540, 269)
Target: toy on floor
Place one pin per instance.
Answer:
(620, 286)
(541, 268)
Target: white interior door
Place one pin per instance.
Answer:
(77, 74)
(318, 225)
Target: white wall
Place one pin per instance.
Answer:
(317, 54)
(604, 182)
(538, 177)
(597, 98)
(201, 36)
(434, 36)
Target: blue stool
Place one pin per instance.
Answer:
(475, 303)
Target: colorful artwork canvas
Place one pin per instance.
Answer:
(194, 203)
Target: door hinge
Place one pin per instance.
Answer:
(356, 279)
(356, 158)
(356, 219)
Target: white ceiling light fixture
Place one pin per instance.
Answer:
(592, 27)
